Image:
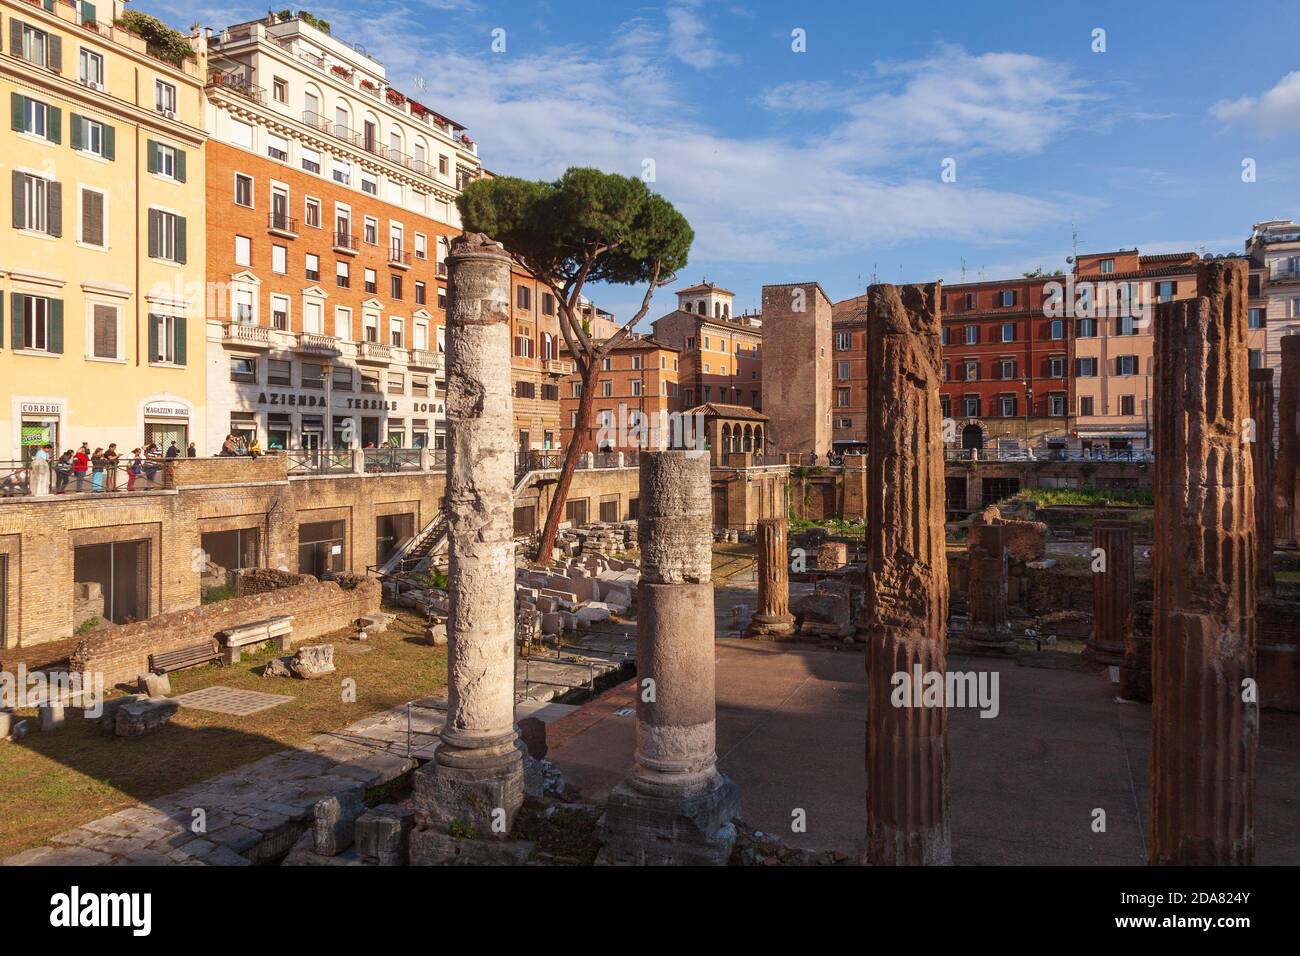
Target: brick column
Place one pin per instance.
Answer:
(1112, 592)
(1261, 412)
(773, 617)
(987, 628)
(905, 607)
(1204, 736)
(476, 775)
(674, 807)
(1287, 479)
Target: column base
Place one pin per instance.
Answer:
(988, 644)
(485, 798)
(1100, 653)
(692, 829)
(887, 846)
(770, 625)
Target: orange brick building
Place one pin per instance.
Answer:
(637, 390)
(721, 354)
(849, 386)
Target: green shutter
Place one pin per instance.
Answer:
(16, 320)
(152, 153)
(153, 337)
(110, 142)
(55, 132)
(178, 348)
(88, 13)
(75, 130)
(16, 112)
(153, 233)
(56, 326)
(180, 239)
(180, 165)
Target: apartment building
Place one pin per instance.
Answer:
(850, 392)
(331, 204)
(103, 249)
(1274, 250)
(721, 354)
(636, 393)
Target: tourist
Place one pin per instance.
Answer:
(254, 448)
(97, 470)
(63, 470)
(172, 451)
(133, 469)
(191, 451)
(39, 471)
(228, 448)
(111, 458)
(151, 457)
(80, 466)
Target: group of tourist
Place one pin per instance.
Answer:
(83, 470)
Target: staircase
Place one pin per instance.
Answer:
(414, 557)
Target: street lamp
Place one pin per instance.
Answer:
(1029, 405)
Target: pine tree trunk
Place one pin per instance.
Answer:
(577, 444)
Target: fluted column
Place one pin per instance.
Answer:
(1261, 412)
(674, 806)
(1204, 734)
(773, 617)
(905, 607)
(476, 776)
(988, 629)
(1287, 476)
(1112, 592)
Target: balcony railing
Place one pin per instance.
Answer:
(319, 461)
(398, 258)
(241, 333)
(325, 125)
(379, 460)
(315, 342)
(423, 358)
(280, 222)
(345, 242)
(559, 366)
(374, 352)
(237, 83)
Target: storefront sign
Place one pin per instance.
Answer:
(166, 411)
(341, 403)
(42, 408)
(291, 399)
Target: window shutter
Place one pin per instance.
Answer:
(180, 239)
(56, 326)
(152, 153)
(56, 53)
(110, 142)
(178, 346)
(88, 13)
(55, 133)
(92, 217)
(20, 200)
(105, 333)
(153, 237)
(153, 337)
(180, 165)
(75, 131)
(55, 215)
(15, 37)
(16, 320)
(16, 112)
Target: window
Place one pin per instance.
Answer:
(241, 134)
(91, 70)
(167, 340)
(1057, 330)
(311, 160)
(342, 322)
(1007, 406)
(843, 342)
(1255, 318)
(525, 390)
(1087, 328)
(167, 236)
(38, 204)
(165, 98)
(280, 90)
(92, 218)
(1056, 367)
(1007, 298)
(169, 162)
(972, 370)
(396, 383)
(313, 375)
(279, 260)
(1126, 364)
(1165, 291)
(370, 326)
(523, 297)
(1085, 367)
(279, 312)
(421, 246)
(419, 293)
(243, 190)
(1006, 369)
(243, 369)
(548, 304)
(943, 335)
(442, 298)
(395, 332)
(1056, 405)
(970, 406)
(342, 172)
(420, 386)
(606, 388)
(1127, 404)
(842, 397)
(311, 212)
(36, 46)
(1107, 266)
(972, 334)
(371, 231)
(1085, 404)
(341, 378)
(313, 267)
(243, 251)
(342, 275)
(1124, 325)
(36, 118)
(370, 281)
(1008, 331)
(394, 287)
(243, 306)
(1256, 357)
(369, 184)
(38, 323)
(442, 165)
(277, 147)
(103, 322)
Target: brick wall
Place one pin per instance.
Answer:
(318, 607)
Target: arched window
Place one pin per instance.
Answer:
(548, 346)
(758, 439)
(749, 439)
(689, 307)
(726, 438)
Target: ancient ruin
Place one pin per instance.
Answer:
(988, 630)
(773, 617)
(1205, 720)
(1112, 592)
(905, 609)
(674, 806)
(1261, 448)
(1287, 489)
(476, 776)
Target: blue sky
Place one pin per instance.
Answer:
(826, 164)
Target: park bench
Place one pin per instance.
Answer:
(233, 639)
(182, 657)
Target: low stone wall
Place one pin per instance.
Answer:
(318, 607)
(261, 580)
(187, 472)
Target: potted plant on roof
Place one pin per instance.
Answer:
(394, 97)
(342, 71)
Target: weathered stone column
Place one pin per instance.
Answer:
(1261, 412)
(1204, 735)
(1112, 592)
(905, 607)
(988, 630)
(773, 617)
(674, 807)
(476, 776)
(1287, 489)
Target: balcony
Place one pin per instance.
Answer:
(325, 125)
(398, 259)
(245, 334)
(279, 224)
(318, 344)
(375, 352)
(423, 358)
(237, 83)
(345, 243)
(559, 366)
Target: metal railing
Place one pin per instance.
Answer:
(345, 240)
(319, 461)
(281, 222)
(237, 83)
(1048, 454)
(379, 460)
(20, 479)
(396, 257)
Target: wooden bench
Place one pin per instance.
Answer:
(233, 639)
(182, 657)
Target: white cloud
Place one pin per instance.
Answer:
(1276, 111)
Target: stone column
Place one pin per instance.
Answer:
(1204, 737)
(1261, 412)
(773, 617)
(905, 605)
(476, 776)
(674, 807)
(1112, 592)
(1288, 444)
(988, 630)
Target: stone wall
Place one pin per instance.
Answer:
(317, 607)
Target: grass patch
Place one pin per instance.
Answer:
(833, 526)
(1089, 497)
(55, 781)
(223, 593)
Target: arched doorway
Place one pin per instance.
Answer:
(972, 436)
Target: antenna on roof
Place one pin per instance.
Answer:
(1074, 242)
(963, 268)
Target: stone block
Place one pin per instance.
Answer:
(108, 715)
(142, 717)
(430, 847)
(334, 821)
(153, 685)
(680, 830)
(6, 723)
(312, 661)
(52, 716)
(383, 834)
(593, 613)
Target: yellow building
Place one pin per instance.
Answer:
(101, 232)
